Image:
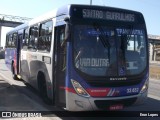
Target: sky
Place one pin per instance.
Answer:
(33, 8)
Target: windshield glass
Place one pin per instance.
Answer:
(109, 51)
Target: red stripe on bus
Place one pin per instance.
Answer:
(92, 92)
(68, 89)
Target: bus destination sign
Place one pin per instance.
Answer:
(108, 15)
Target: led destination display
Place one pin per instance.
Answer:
(108, 15)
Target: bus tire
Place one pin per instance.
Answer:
(14, 76)
(43, 89)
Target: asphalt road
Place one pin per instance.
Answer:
(22, 97)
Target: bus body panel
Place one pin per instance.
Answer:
(12, 54)
(32, 64)
(78, 103)
(124, 96)
(34, 61)
(10, 57)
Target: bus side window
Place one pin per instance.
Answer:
(45, 37)
(33, 37)
(20, 38)
(25, 40)
(14, 40)
(10, 40)
(7, 41)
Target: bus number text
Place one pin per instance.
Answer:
(132, 90)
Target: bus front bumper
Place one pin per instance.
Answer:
(75, 102)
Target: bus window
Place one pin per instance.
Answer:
(20, 38)
(7, 41)
(10, 41)
(136, 48)
(25, 40)
(33, 37)
(44, 40)
(14, 40)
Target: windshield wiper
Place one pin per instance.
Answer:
(102, 36)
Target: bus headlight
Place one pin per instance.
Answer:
(145, 87)
(79, 89)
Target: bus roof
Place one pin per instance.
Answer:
(64, 10)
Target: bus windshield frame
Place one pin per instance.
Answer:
(118, 31)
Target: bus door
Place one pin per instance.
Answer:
(59, 68)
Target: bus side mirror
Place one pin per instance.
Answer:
(67, 29)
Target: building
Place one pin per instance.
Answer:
(154, 47)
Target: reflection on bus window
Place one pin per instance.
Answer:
(33, 36)
(103, 50)
(25, 40)
(44, 40)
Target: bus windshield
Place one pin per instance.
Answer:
(101, 50)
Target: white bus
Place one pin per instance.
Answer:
(83, 57)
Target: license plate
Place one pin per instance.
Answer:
(116, 107)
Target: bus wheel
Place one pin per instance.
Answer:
(43, 89)
(14, 76)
